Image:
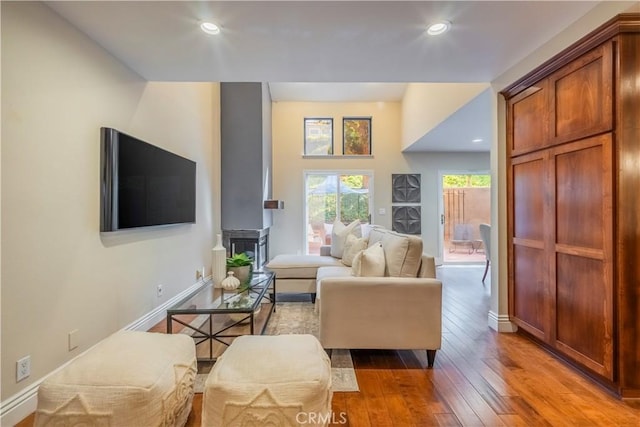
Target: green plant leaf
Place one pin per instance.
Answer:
(239, 260)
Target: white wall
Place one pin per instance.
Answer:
(594, 18)
(287, 234)
(426, 105)
(58, 272)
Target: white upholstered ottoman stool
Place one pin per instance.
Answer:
(129, 379)
(282, 380)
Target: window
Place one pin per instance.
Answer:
(356, 136)
(345, 195)
(318, 136)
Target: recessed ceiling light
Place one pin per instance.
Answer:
(210, 28)
(477, 140)
(438, 28)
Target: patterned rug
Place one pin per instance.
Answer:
(301, 318)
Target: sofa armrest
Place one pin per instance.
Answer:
(381, 312)
(325, 250)
(427, 267)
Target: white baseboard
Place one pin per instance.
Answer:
(501, 323)
(15, 408)
(152, 318)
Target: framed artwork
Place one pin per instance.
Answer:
(318, 136)
(405, 188)
(406, 219)
(356, 136)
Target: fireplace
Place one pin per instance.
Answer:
(254, 242)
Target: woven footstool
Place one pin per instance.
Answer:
(282, 380)
(129, 379)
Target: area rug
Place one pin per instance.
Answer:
(301, 318)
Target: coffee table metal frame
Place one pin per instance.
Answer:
(210, 301)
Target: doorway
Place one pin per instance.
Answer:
(465, 203)
(345, 195)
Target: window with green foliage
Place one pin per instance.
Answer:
(356, 136)
(466, 181)
(343, 196)
(318, 136)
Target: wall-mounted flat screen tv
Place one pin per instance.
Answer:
(143, 185)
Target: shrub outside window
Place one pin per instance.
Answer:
(356, 136)
(318, 136)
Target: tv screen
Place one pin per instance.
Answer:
(143, 185)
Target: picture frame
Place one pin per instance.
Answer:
(318, 136)
(356, 136)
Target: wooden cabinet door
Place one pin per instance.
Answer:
(582, 264)
(528, 277)
(528, 120)
(581, 95)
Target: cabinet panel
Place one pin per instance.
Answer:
(528, 199)
(582, 94)
(530, 296)
(579, 191)
(529, 113)
(528, 291)
(582, 270)
(584, 312)
(628, 219)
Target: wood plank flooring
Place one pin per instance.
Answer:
(480, 377)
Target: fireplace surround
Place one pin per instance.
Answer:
(254, 242)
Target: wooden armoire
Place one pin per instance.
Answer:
(573, 165)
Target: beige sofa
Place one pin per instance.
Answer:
(399, 309)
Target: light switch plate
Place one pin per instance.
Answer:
(73, 339)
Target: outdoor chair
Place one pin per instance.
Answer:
(462, 236)
(485, 235)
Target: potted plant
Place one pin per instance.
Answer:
(242, 266)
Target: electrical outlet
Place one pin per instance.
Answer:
(198, 274)
(159, 291)
(23, 368)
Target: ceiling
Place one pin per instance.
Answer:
(363, 43)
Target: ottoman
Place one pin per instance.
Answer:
(282, 380)
(129, 379)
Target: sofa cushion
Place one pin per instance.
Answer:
(376, 234)
(369, 262)
(324, 272)
(402, 254)
(365, 229)
(300, 266)
(339, 235)
(352, 246)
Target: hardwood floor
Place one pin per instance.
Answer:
(480, 377)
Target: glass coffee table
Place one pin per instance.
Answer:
(214, 317)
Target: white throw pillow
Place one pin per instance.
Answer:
(369, 262)
(339, 235)
(352, 246)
